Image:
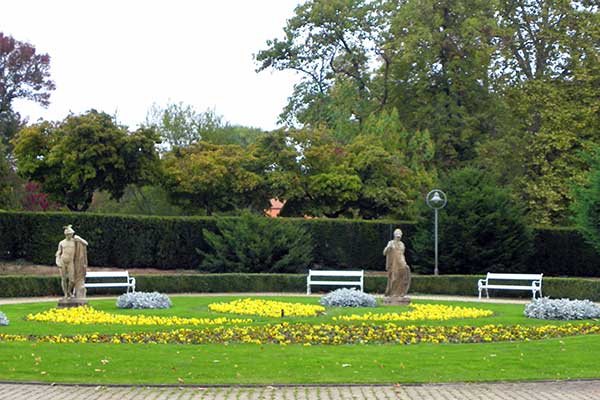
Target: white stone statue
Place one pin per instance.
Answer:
(71, 258)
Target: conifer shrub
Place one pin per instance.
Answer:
(481, 229)
(256, 244)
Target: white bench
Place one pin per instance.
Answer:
(312, 274)
(110, 279)
(534, 283)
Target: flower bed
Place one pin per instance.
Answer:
(326, 334)
(88, 315)
(421, 312)
(267, 308)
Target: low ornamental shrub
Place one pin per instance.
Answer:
(563, 309)
(144, 300)
(3, 319)
(257, 244)
(348, 298)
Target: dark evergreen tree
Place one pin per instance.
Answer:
(257, 244)
(481, 229)
(587, 205)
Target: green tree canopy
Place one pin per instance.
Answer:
(81, 154)
(180, 125)
(206, 178)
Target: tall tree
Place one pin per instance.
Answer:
(337, 46)
(24, 74)
(181, 125)
(547, 62)
(440, 74)
(85, 153)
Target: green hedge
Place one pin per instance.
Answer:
(564, 252)
(455, 285)
(171, 242)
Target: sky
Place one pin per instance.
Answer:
(122, 56)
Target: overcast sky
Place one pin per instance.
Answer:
(121, 56)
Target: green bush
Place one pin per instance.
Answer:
(257, 244)
(481, 229)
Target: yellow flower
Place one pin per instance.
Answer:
(267, 308)
(88, 315)
(421, 312)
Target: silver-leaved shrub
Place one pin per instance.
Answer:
(563, 309)
(144, 300)
(3, 319)
(348, 298)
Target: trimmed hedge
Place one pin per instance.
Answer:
(171, 242)
(564, 252)
(456, 285)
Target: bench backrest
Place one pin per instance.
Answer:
(312, 272)
(107, 274)
(529, 277)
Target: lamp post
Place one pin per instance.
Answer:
(436, 199)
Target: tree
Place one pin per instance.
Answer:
(481, 228)
(180, 125)
(547, 61)
(320, 176)
(257, 244)
(24, 74)
(587, 205)
(207, 178)
(73, 158)
(336, 45)
(440, 73)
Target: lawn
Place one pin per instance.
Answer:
(573, 357)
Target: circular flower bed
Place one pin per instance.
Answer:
(267, 308)
(88, 315)
(421, 312)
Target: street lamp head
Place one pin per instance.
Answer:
(436, 199)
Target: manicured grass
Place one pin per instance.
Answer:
(570, 357)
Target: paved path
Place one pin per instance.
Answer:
(567, 390)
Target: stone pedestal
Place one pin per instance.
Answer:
(71, 302)
(396, 300)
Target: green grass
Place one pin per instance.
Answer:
(572, 357)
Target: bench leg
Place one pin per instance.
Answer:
(308, 289)
(479, 294)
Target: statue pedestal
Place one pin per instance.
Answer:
(396, 300)
(72, 302)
